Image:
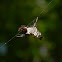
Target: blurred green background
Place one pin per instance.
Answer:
(13, 14)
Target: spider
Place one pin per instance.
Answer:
(30, 30)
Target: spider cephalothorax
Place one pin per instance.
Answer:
(22, 28)
(30, 30)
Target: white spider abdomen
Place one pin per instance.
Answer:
(34, 31)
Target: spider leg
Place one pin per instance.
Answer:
(35, 22)
(36, 19)
(21, 35)
(40, 38)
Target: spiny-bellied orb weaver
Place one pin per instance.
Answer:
(30, 30)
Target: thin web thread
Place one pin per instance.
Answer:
(40, 12)
(27, 25)
(9, 40)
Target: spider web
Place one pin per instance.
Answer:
(27, 25)
(40, 13)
